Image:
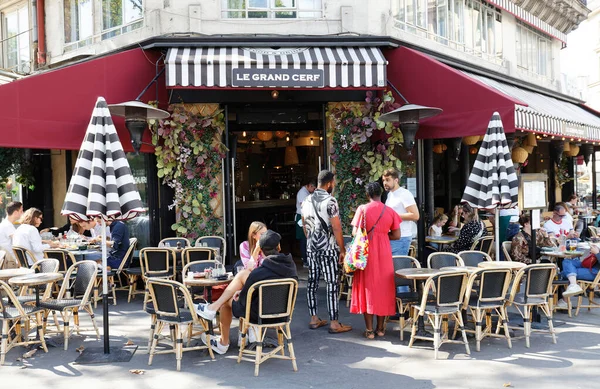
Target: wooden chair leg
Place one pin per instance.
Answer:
(40, 330)
(66, 329)
(291, 347)
(244, 331)
(113, 287)
(76, 320)
(504, 318)
(413, 330)
(159, 328)
(152, 331)
(437, 328)
(478, 334)
(90, 311)
(178, 346)
(259, 339)
(3, 347)
(527, 324)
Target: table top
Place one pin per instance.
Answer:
(35, 279)
(441, 239)
(86, 252)
(206, 282)
(563, 254)
(7, 274)
(416, 273)
(501, 264)
(469, 269)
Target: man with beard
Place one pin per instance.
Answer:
(325, 250)
(403, 202)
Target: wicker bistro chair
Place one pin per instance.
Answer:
(405, 300)
(64, 257)
(215, 242)
(13, 315)
(48, 265)
(440, 260)
(184, 242)
(81, 286)
(199, 267)
(164, 294)
(346, 279)
(114, 275)
(21, 255)
(2, 256)
(473, 257)
(193, 254)
(276, 300)
(593, 231)
(158, 259)
(449, 295)
(490, 287)
(485, 244)
(506, 246)
(537, 290)
(412, 251)
(589, 288)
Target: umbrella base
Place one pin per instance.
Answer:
(93, 355)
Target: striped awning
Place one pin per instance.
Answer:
(546, 114)
(291, 67)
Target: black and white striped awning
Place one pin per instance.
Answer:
(304, 67)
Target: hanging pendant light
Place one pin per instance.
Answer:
(291, 156)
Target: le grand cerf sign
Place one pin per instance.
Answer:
(278, 78)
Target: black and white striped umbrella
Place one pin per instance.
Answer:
(493, 181)
(102, 185)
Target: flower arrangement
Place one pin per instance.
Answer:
(189, 152)
(362, 148)
(563, 174)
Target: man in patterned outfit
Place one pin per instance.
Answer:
(325, 250)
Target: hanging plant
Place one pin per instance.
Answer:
(562, 172)
(189, 152)
(362, 148)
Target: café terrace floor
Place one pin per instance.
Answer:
(324, 360)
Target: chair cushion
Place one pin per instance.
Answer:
(12, 312)
(408, 297)
(520, 300)
(59, 305)
(161, 274)
(475, 303)
(431, 308)
(185, 316)
(134, 271)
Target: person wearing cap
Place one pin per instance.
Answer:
(232, 302)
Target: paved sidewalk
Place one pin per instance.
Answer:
(324, 360)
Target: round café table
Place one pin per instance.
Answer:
(468, 269)
(419, 275)
(441, 240)
(501, 265)
(7, 274)
(35, 280)
(208, 284)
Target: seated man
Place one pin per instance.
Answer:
(233, 299)
(559, 224)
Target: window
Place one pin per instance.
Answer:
(16, 42)
(79, 23)
(534, 51)
(121, 16)
(272, 9)
(473, 26)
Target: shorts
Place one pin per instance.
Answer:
(238, 309)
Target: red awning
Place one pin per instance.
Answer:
(467, 103)
(51, 110)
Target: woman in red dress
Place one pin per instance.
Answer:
(373, 289)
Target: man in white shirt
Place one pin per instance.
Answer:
(559, 225)
(14, 210)
(403, 202)
(303, 193)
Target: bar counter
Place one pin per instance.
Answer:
(265, 204)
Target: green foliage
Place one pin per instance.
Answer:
(189, 152)
(359, 158)
(563, 175)
(13, 161)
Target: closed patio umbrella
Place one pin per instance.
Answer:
(493, 182)
(102, 185)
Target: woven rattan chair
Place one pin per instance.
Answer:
(21, 254)
(412, 251)
(13, 315)
(2, 256)
(448, 289)
(184, 242)
(47, 265)
(157, 262)
(485, 244)
(215, 242)
(537, 289)
(589, 288)
(193, 254)
(473, 258)
(485, 294)
(404, 300)
(165, 296)
(506, 247)
(199, 267)
(275, 300)
(74, 296)
(114, 275)
(440, 260)
(64, 257)
(593, 231)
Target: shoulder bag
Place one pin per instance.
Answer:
(356, 256)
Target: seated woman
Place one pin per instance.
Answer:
(250, 253)
(472, 230)
(28, 236)
(521, 243)
(72, 225)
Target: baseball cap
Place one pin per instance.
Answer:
(269, 240)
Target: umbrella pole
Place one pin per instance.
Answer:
(104, 291)
(497, 233)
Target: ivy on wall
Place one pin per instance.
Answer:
(189, 153)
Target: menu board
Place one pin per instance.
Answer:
(534, 191)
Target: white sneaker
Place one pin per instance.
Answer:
(562, 304)
(572, 290)
(202, 310)
(215, 344)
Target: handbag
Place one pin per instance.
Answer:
(589, 261)
(356, 256)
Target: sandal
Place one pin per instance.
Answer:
(369, 334)
(380, 332)
(318, 324)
